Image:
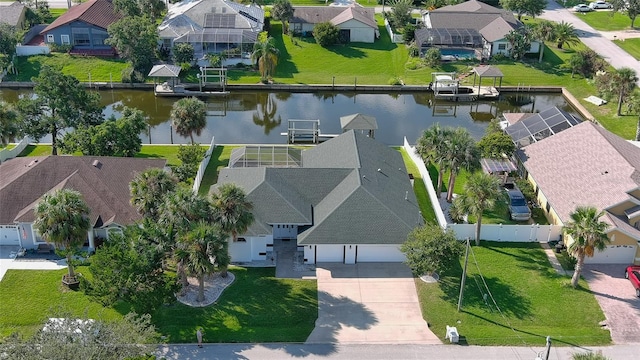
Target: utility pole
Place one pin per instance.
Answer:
(548, 347)
(464, 275)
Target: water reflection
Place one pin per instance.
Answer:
(260, 117)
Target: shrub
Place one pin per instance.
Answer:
(409, 33)
(431, 249)
(60, 48)
(183, 53)
(326, 34)
(589, 356)
(396, 80)
(185, 66)
(130, 75)
(526, 188)
(433, 57)
(414, 51)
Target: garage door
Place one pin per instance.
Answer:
(614, 254)
(9, 235)
(330, 253)
(379, 253)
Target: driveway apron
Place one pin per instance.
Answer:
(617, 299)
(373, 303)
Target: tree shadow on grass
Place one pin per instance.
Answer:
(530, 260)
(347, 51)
(286, 67)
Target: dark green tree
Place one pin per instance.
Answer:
(8, 123)
(433, 57)
(8, 41)
(148, 190)
(496, 145)
(189, 116)
(587, 63)
(183, 53)
(190, 157)
(326, 34)
(532, 8)
(400, 14)
(282, 10)
(520, 41)
(431, 249)
(60, 103)
(136, 39)
(133, 8)
(114, 137)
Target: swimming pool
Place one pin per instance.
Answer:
(458, 52)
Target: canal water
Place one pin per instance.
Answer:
(261, 117)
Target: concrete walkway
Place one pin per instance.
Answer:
(7, 261)
(553, 259)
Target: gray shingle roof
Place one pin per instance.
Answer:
(583, 165)
(105, 187)
(334, 14)
(356, 190)
(165, 70)
(12, 14)
(358, 122)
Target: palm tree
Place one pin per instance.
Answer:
(543, 31)
(587, 234)
(431, 148)
(565, 33)
(633, 106)
(200, 249)
(148, 190)
(624, 82)
(188, 116)
(8, 123)
(461, 153)
(231, 209)
(62, 218)
(265, 54)
(480, 193)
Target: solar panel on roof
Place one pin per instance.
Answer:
(212, 20)
(246, 14)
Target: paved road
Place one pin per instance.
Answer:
(372, 352)
(592, 38)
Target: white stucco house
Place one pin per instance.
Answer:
(470, 25)
(102, 181)
(355, 22)
(347, 200)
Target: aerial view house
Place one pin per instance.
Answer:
(573, 163)
(347, 200)
(102, 181)
(212, 26)
(470, 25)
(84, 27)
(355, 22)
(14, 15)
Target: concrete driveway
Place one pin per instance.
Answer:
(592, 38)
(374, 303)
(618, 301)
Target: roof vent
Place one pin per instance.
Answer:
(96, 164)
(406, 195)
(33, 162)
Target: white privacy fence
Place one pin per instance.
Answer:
(6, 154)
(493, 232)
(28, 50)
(203, 165)
(395, 38)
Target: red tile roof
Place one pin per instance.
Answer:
(95, 12)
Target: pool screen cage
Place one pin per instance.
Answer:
(469, 38)
(265, 156)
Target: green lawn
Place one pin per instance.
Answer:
(219, 159)
(606, 20)
(428, 213)
(632, 46)
(169, 152)
(533, 301)
(101, 69)
(56, 13)
(257, 307)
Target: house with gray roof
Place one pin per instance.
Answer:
(350, 200)
(356, 23)
(212, 26)
(13, 14)
(586, 165)
(470, 25)
(103, 182)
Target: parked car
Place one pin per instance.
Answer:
(633, 274)
(600, 5)
(518, 208)
(582, 8)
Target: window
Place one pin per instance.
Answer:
(502, 46)
(65, 39)
(50, 38)
(548, 207)
(81, 36)
(241, 239)
(99, 37)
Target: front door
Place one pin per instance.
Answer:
(345, 36)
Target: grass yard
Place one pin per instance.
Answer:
(606, 20)
(534, 301)
(256, 308)
(56, 13)
(428, 213)
(101, 69)
(632, 46)
(219, 159)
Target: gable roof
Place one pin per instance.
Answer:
(492, 23)
(102, 181)
(585, 165)
(335, 14)
(358, 122)
(12, 14)
(350, 189)
(95, 12)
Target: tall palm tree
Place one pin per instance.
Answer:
(588, 234)
(188, 116)
(431, 148)
(148, 189)
(200, 249)
(480, 193)
(461, 152)
(8, 123)
(565, 33)
(62, 218)
(543, 31)
(633, 106)
(624, 82)
(265, 54)
(231, 209)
